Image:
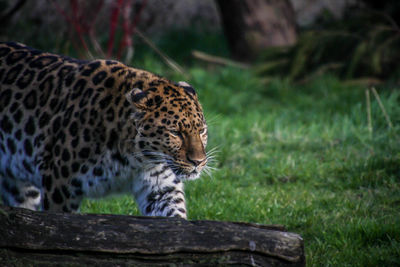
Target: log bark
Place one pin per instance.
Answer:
(251, 26)
(43, 239)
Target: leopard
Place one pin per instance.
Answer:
(72, 129)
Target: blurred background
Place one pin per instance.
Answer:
(298, 39)
(301, 97)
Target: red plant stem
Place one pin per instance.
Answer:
(129, 28)
(61, 11)
(113, 25)
(72, 21)
(137, 18)
(67, 18)
(125, 27)
(91, 30)
(91, 25)
(77, 24)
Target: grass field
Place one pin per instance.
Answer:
(301, 156)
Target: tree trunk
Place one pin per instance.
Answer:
(42, 238)
(253, 25)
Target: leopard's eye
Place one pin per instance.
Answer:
(203, 131)
(176, 133)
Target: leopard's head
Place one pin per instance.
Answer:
(170, 127)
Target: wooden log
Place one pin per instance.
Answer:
(42, 239)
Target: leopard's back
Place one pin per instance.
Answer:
(51, 121)
(30, 94)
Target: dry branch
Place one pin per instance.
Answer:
(389, 122)
(169, 61)
(369, 117)
(218, 60)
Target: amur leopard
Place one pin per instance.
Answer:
(71, 129)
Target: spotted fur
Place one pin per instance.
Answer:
(71, 129)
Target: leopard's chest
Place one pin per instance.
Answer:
(19, 156)
(108, 176)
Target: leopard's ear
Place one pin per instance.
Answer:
(137, 97)
(188, 88)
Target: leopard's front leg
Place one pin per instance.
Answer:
(159, 192)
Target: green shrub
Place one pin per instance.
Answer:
(363, 44)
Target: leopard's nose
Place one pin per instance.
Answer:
(196, 162)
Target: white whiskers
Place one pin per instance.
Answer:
(156, 158)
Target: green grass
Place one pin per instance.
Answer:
(301, 156)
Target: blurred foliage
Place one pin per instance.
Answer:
(390, 7)
(7, 12)
(365, 43)
(4, 5)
